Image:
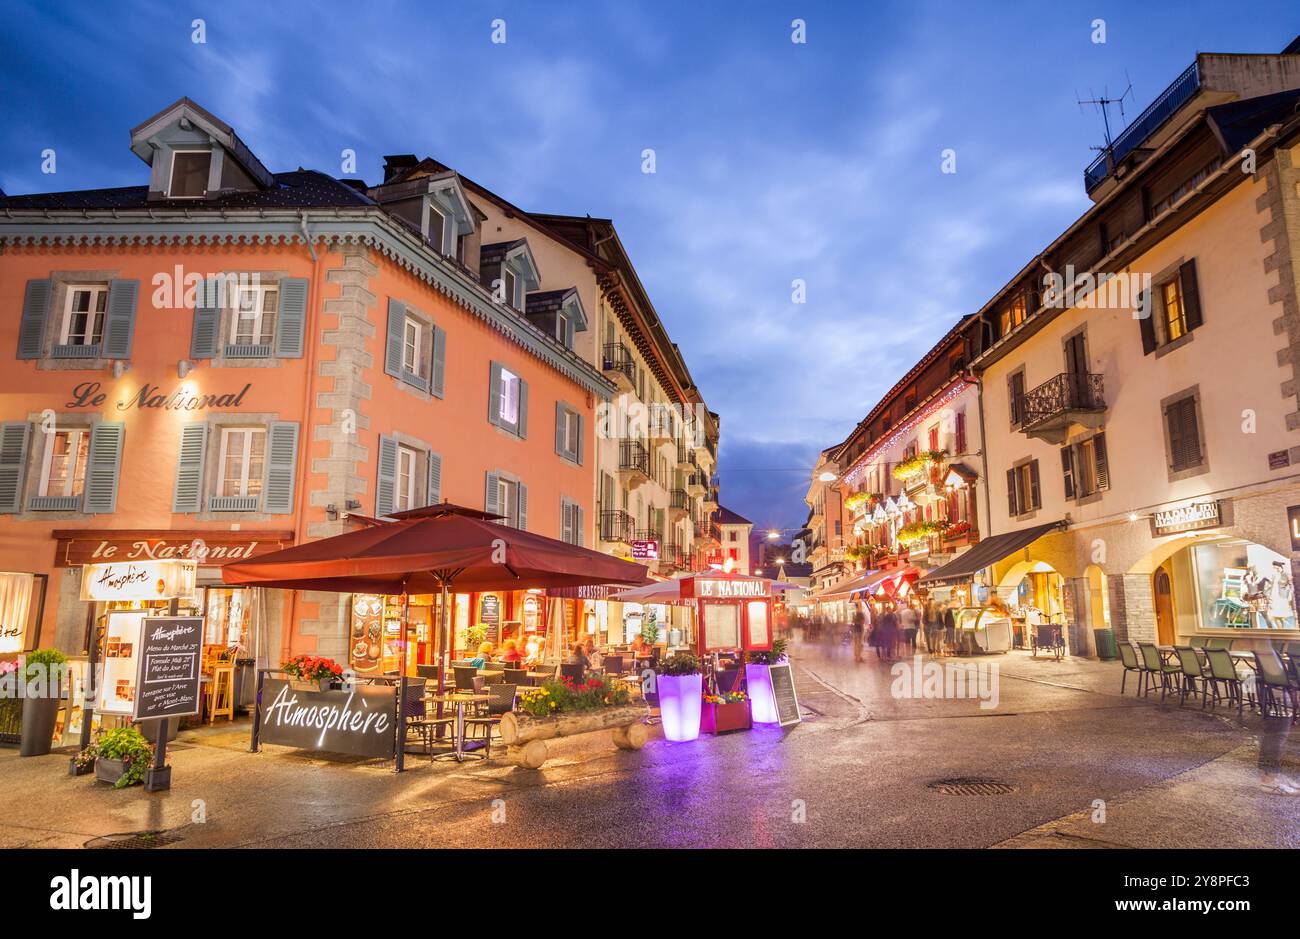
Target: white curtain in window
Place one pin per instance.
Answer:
(15, 608)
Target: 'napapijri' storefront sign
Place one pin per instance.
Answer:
(359, 720)
(1193, 516)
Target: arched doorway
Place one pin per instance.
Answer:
(1162, 587)
(1035, 592)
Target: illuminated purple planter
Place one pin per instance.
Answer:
(680, 697)
(762, 703)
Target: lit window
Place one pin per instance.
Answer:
(243, 460)
(83, 320)
(404, 498)
(1175, 313)
(254, 315)
(63, 466)
(508, 404)
(189, 174)
(412, 361)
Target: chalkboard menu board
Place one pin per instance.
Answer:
(787, 702)
(167, 681)
(489, 614)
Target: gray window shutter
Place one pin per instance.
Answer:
(15, 437)
(207, 319)
(1147, 324)
(1012, 507)
(490, 504)
(578, 452)
(435, 479)
(187, 494)
(568, 333)
(386, 476)
(566, 521)
(36, 309)
(439, 360)
(103, 467)
(396, 337)
(291, 319)
(119, 320)
(1035, 497)
(1067, 470)
(579, 525)
(523, 408)
(1191, 294)
(523, 506)
(494, 393)
(281, 467)
(559, 430)
(1099, 456)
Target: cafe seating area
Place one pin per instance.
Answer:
(1266, 680)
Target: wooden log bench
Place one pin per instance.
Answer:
(525, 736)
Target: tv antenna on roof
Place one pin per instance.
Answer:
(1102, 104)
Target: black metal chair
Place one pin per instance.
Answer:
(429, 672)
(466, 678)
(1221, 671)
(503, 701)
(612, 664)
(415, 716)
(575, 672)
(1129, 659)
(516, 676)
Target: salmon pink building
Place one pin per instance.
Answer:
(223, 361)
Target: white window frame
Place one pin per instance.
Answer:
(404, 492)
(436, 212)
(95, 290)
(237, 314)
(562, 328)
(47, 461)
(244, 477)
(510, 385)
(572, 441)
(510, 281)
(415, 367)
(171, 176)
(508, 501)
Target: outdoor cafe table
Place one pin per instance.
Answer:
(459, 699)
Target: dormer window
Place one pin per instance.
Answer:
(437, 230)
(189, 175)
(563, 332)
(511, 283)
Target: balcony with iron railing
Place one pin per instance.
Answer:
(619, 365)
(1047, 411)
(680, 505)
(633, 463)
(1182, 90)
(616, 526)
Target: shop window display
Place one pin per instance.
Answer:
(1242, 585)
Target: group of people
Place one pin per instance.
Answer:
(892, 629)
(510, 654)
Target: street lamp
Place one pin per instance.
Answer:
(827, 477)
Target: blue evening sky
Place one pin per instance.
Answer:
(775, 161)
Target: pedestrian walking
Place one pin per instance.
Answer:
(910, 623)
(950, 630)
(888, 632)
(856, 628)
(933, 627)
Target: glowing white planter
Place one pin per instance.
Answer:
(680, 697)
(762, 703)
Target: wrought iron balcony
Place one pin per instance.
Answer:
(1046, 412)
(620, 366)
(616, 526)
(633, 463)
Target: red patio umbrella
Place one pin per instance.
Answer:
(437, 548)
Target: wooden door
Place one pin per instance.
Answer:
(1165, 633)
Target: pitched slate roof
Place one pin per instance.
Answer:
(1237, 123)
(547, 301)
(728, 517)
(494, 253)
(300, 189)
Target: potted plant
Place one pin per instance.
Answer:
(121, 757)
(475, 636)
(725, 712)
(758, 679)
(312, 673)
(43, 684)
(681, 689)
(566, 708)
(11, 705)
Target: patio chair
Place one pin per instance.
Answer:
(1153, 667)
(574, 672)
(1190, 670)
(612, 664)
(466, 678)
(1222, 670)
(503, 701)
(1218, 643)
(516, 676)
(415, 714)
(1273, 683)
(1129, 659)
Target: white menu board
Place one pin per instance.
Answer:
(117, 688)
(721, 626)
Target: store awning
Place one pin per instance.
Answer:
(986, 553)
(844, 589)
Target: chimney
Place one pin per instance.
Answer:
(398, 163)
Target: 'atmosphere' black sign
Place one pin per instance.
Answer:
(167, 683)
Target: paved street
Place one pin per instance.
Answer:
(856, 771)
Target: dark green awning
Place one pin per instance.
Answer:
(984, 554)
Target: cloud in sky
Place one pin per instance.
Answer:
(775, 161)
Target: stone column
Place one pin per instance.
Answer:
(1132, 607)
(1079, 628)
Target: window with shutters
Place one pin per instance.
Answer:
(1085, 468)
(241, 469)
(508, 398)
(1184, 440)
(404, 495)
(571, 521)
(1173, 308)
(252, 320)
(189, 174)
(1012, 315)
(1173, 316)
(412, 359)
(568, 433)
(1016, 397)
(63, 470)
(83, 319)
(1024, 494)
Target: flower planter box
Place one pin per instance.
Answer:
(315, 685)
(722, 718)
(109, 770)
(680, 701)
(525, 736)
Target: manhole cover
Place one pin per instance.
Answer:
(134, 840)
(971, 786)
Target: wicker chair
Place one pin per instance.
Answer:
(503, 701)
